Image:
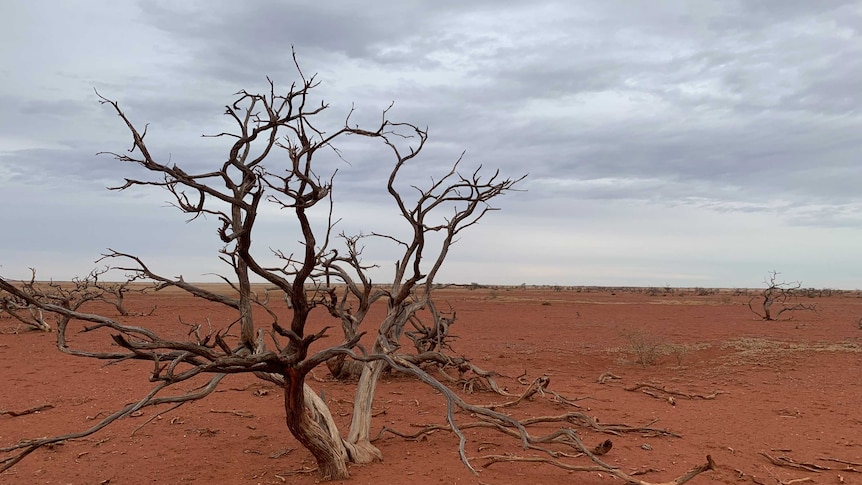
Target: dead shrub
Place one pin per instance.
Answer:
(649, 349)
(645, 347)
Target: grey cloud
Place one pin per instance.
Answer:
(745, 108)
(833, 216)
(45, 166)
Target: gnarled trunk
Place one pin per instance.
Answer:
(310, 421)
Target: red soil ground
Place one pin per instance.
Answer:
(788, 389)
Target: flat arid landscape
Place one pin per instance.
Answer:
(668, 376)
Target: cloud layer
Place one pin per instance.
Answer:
(667, 142)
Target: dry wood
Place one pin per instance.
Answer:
(235, 412)
(34, 409)
(653, 389)
(574, 418)
(291, 473)
(151, 399)
(627, 478)
(786, 462)
(558, 398)
(837, 460)
(607, 376)
(536, 387)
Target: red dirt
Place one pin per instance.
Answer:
(790, 389)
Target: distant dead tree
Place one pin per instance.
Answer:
(779, 298)
(69, 295)
(278, 151)
(114, 292)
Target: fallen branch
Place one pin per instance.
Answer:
(650, 390)
(537, 387)
(607, 376)
(559, 399)
(576, 418)
(291, 473)
(791, 463)
(32, 410)
(844, 462)
(235, 412)
(26, 447)
(629, 479)
(592, 423)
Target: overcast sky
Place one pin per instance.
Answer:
(690, 143)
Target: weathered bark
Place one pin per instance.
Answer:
(362, 451)
(389, 334)
(312, 425)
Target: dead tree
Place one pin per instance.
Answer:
(275, 158)
(70, 295)
(779, 298)
(115, 293)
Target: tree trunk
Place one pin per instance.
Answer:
(359, 438)
(312, 425)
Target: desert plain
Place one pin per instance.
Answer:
(772, 402)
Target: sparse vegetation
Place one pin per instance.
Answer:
(645, 347)
(649, 349)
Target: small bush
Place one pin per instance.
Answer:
(645, 347)
(649, 349)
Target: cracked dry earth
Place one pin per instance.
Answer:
(771, 402)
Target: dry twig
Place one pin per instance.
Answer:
(235, 412)
(786, 462)
(607, 376)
